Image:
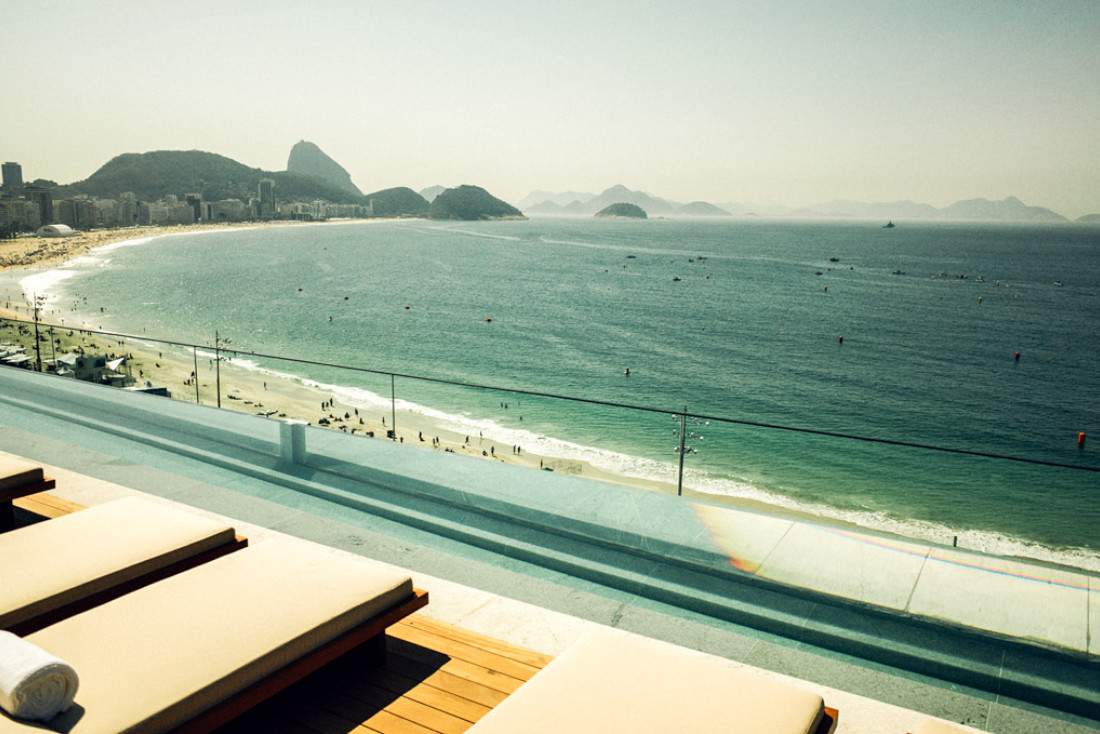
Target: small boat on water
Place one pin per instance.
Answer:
(888, 225)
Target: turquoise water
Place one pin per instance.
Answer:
(731, 319)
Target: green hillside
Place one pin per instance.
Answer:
(398, 202)
(152, 176)
(471, 203)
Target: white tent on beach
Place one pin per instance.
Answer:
(55, 230)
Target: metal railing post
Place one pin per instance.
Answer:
(683, 431)
(217, 368)
(393, 405)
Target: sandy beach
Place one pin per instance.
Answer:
(193, 375)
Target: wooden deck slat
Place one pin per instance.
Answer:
(477, 674)
(386, 723)
(465, 652)
(399, 668)
(46, 505)
(496, 647)
(423, 692)
(385, 701)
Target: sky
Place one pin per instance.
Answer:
(781, 102)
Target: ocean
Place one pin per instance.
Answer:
(907, 334)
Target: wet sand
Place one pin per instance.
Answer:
(29, 251)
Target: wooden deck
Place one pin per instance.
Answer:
(436, 678)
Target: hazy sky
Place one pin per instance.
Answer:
(788, 102)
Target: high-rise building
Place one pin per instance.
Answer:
(43, 199)
(195, 202)
(13, 177)
(267, 197)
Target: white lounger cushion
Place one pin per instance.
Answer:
(613, 682)
(156, 657)
(16, 472)
(53, 563)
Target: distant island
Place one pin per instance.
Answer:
(581, 204)
(471, 203)
(622, 209)
(702, 209)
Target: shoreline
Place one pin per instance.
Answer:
(252, 390)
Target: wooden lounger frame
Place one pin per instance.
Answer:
(94, 600)
(369, 636)
(7, 511)
(828, 721)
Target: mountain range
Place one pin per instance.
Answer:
(157, 174)
(579, 204)
(311, 174)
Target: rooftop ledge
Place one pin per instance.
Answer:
(1016, 628)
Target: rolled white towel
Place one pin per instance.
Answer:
(33, 683)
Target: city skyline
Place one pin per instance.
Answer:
(793, 103)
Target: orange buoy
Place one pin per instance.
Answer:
(1081, 440)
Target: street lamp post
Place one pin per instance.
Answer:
(38, 300)
(218, 341)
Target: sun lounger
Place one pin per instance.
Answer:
(193, 651)
(18, 478)
(57, 568)
(614, 682)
